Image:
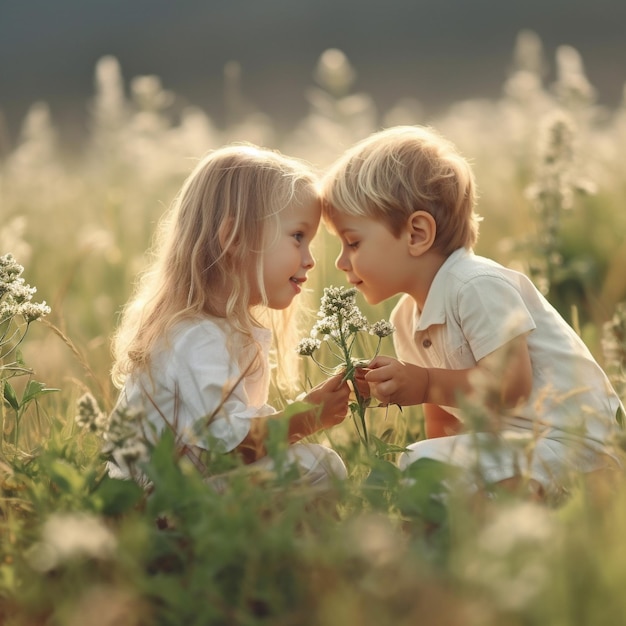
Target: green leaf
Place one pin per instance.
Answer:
(19, 359)
(68, 478)
(35, 389)
(10, 396)
(381, 448)
(114, 496)
(425, 490)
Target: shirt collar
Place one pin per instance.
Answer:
(434, 311)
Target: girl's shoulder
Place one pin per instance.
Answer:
(215, 332)
(194, 332)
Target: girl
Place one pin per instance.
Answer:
(192, 349)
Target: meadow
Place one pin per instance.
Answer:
(79, 548)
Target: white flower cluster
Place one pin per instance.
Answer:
(308, 346)
(340, 324)
(15, 295)
(340, 316)
(614, 348)
(70, 536)
(340, 321)
(381, 329)
(89, 416)
(124, 436)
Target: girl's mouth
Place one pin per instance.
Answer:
(297, 282)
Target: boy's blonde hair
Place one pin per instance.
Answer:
(205, 247)
(398, 171)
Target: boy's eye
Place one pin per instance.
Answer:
(298, 236)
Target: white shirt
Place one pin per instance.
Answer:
(195, 375)
(475, 306)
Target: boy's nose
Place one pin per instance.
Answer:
(342, 262)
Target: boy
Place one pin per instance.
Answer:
(467, 329)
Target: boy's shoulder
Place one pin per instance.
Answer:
(464, 264)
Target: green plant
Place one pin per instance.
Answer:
(17, 312)
(340, 326)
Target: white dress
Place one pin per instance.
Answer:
(474, 307)
(196, 387)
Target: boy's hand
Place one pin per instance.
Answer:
(394, 382)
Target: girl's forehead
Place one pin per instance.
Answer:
(308, 210)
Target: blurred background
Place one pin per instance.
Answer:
(436, 51)
(105, 107)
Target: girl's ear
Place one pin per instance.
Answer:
(422, 230)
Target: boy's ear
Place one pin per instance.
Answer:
(422, 230)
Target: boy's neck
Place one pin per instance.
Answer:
(429, 264)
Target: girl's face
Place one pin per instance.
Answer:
(287, 256)
(374, 261)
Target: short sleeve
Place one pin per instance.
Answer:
(213, 404)
(491, 313)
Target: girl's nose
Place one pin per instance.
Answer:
(308, 260)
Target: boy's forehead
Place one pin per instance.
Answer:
(342, 222)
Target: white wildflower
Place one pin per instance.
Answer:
(341, 321)
(89, 416)
(307, 346)
(68, 536)
(382, 328)
(124, 436)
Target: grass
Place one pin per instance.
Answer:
(79, 548)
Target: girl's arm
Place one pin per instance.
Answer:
(331, 407)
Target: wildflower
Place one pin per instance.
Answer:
(614, 349)
(334, 72)
(67, 536)
(17, 311)
(125, 439)
(89, 416)
(9, 268)
(340, 324)
(556, 186)
(16, 295)
(614, 339)
(308, 346)
(381, 329)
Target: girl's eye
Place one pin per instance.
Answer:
(354, 245)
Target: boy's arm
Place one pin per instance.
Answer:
(502, 379)
(439, 423)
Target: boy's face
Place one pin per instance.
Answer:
(374, 260)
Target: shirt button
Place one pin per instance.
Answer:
(427, 343)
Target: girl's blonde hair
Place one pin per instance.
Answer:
(207, 247)
(398, 171)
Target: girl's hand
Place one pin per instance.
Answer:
(361, 383)
(332, 395)
(395, 382)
